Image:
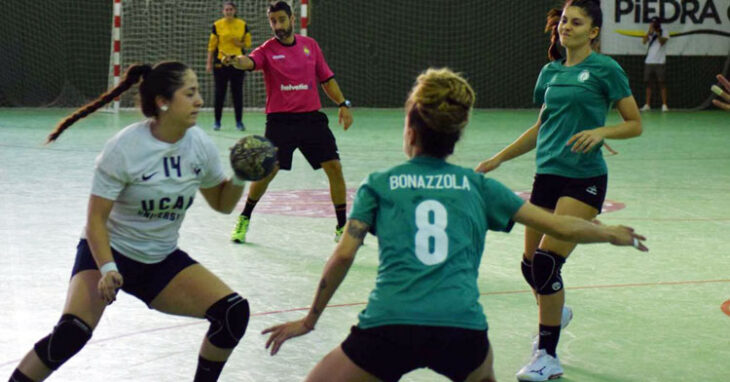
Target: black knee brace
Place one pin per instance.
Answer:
(527, 271)
(18, 376)
(546, 267)
(228, 321)
(68, 337)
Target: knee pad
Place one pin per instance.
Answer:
(527, 271)
(228, 321)
(68, 337)
(546, 267)
(18, 376)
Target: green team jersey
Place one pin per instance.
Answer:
(576, 98)
(431, 218)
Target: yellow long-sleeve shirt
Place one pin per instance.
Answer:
(224, 33)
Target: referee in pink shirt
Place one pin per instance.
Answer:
(293, 65)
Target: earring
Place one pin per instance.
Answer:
(163, 107)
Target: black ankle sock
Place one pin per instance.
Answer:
(341, 212)
(549, 336)
(248, 210)
(208, 371)
(19, 377)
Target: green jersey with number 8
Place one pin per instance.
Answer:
(431, 219)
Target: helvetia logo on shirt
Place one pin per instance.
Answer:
(290, 87)
(306, 51)
(584, 76)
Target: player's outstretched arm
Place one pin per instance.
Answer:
(239, 62)
(334, 272)
(526, 142)
(577, 230)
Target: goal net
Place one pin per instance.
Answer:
(162, 30)
(58, 53)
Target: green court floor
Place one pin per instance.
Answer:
(639, 317)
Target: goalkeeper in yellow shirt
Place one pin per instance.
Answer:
(230, 35)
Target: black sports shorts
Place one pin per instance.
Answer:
(308, 132)
(144, 281)
(390, 351)
(548, 188)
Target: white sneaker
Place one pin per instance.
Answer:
(665, 107)
(564, 321)
(646, 107)
(542, 367)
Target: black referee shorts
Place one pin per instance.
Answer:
(144, 281)
(390, 351)
(308, 132)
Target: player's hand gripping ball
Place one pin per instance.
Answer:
(253, 157)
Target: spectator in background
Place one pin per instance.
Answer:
(655, 62)
(228, 38)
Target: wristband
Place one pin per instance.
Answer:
(108, 267)
(238, 182)
(346, 103)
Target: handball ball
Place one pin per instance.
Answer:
(253, 157)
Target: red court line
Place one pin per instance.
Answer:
(725, 306)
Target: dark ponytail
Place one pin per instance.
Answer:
(553, 19)
(162, 80)
(131, 77)
(592, 9)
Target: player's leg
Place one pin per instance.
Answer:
(81, 313)
(336, 366)
(194, 291)
(662, 83)
(647, 83)
(259, 187)
(319, 147)
(647, 105)
(373, 354)
(582, 198)
(532, 241)
(220, 78)
(485, 371)
(237, 93)
(549, 285)
(280, 128)
(338, 190)
(545, 193)
(459, 354)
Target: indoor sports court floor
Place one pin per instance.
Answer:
(639, 317)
